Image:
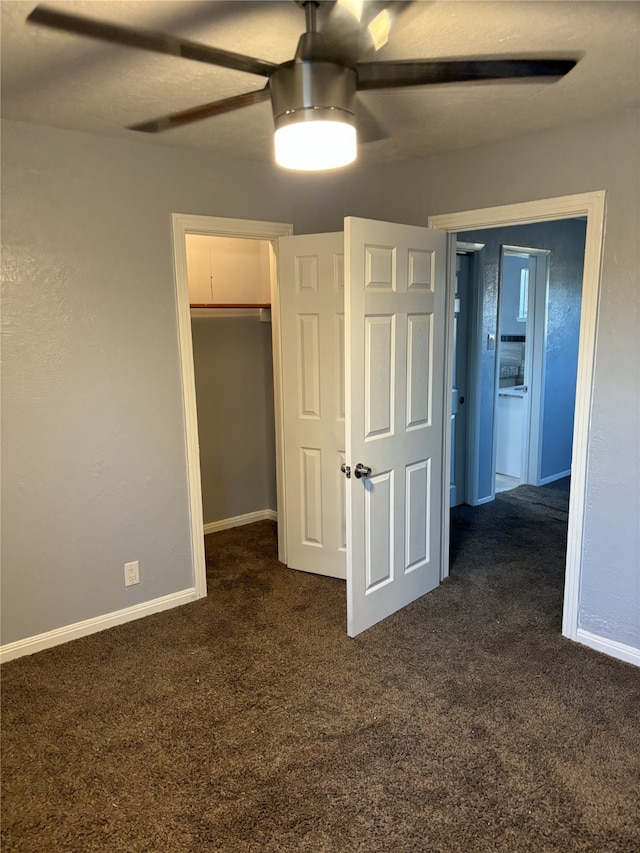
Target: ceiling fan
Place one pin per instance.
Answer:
(314, 95)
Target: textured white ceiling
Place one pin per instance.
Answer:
(73, 82)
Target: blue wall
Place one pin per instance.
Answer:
(565, 239)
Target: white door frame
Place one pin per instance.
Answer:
(183, 224)
(591, 205)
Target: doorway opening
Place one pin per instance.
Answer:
(588, 207)
(521, 338)
(526, 346)
(185, 225)
(229, 293)
(521, 362)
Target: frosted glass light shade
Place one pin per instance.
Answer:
(313, 146)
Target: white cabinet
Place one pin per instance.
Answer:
(510, 437)
(228, 270)
(199, 268)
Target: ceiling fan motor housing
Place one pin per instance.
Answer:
(312, 90)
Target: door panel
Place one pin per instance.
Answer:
(312, 334)
(395, 278)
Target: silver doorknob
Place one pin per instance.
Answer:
(362, 471)
(346, 470)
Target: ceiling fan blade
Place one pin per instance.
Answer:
(214, 108)
(410, 72)
(148, 40)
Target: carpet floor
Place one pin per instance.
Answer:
(248, 721)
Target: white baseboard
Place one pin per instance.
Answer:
(551, 479)
(608, 647)
(91, 626)
(240, 520)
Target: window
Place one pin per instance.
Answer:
(524, 296)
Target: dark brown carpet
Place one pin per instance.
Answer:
(248, 721)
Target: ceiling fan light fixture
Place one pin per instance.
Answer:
(310, 140)
(314, 114)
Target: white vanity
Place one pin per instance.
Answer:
(510, 439)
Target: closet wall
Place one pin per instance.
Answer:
(234, 390)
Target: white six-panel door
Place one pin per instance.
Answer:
(363, 336)
(395, 278)
(311, 284)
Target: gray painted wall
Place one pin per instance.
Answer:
(94, 469)
(565, 240)
(234, 390)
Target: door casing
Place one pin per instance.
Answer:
(183, 224)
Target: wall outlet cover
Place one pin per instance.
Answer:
(131, 573)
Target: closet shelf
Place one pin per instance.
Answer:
(230, 305)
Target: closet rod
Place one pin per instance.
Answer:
(230, 305)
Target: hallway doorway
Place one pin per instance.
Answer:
(589, 206)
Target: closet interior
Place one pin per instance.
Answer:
(229, 293)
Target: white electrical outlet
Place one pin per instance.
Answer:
(131, 573)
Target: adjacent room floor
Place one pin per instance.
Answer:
(504, 483)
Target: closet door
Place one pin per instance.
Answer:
(396, 415)
(311, 282)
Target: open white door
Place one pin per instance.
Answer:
(311, 283)
(460, 347)
(395, 295)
